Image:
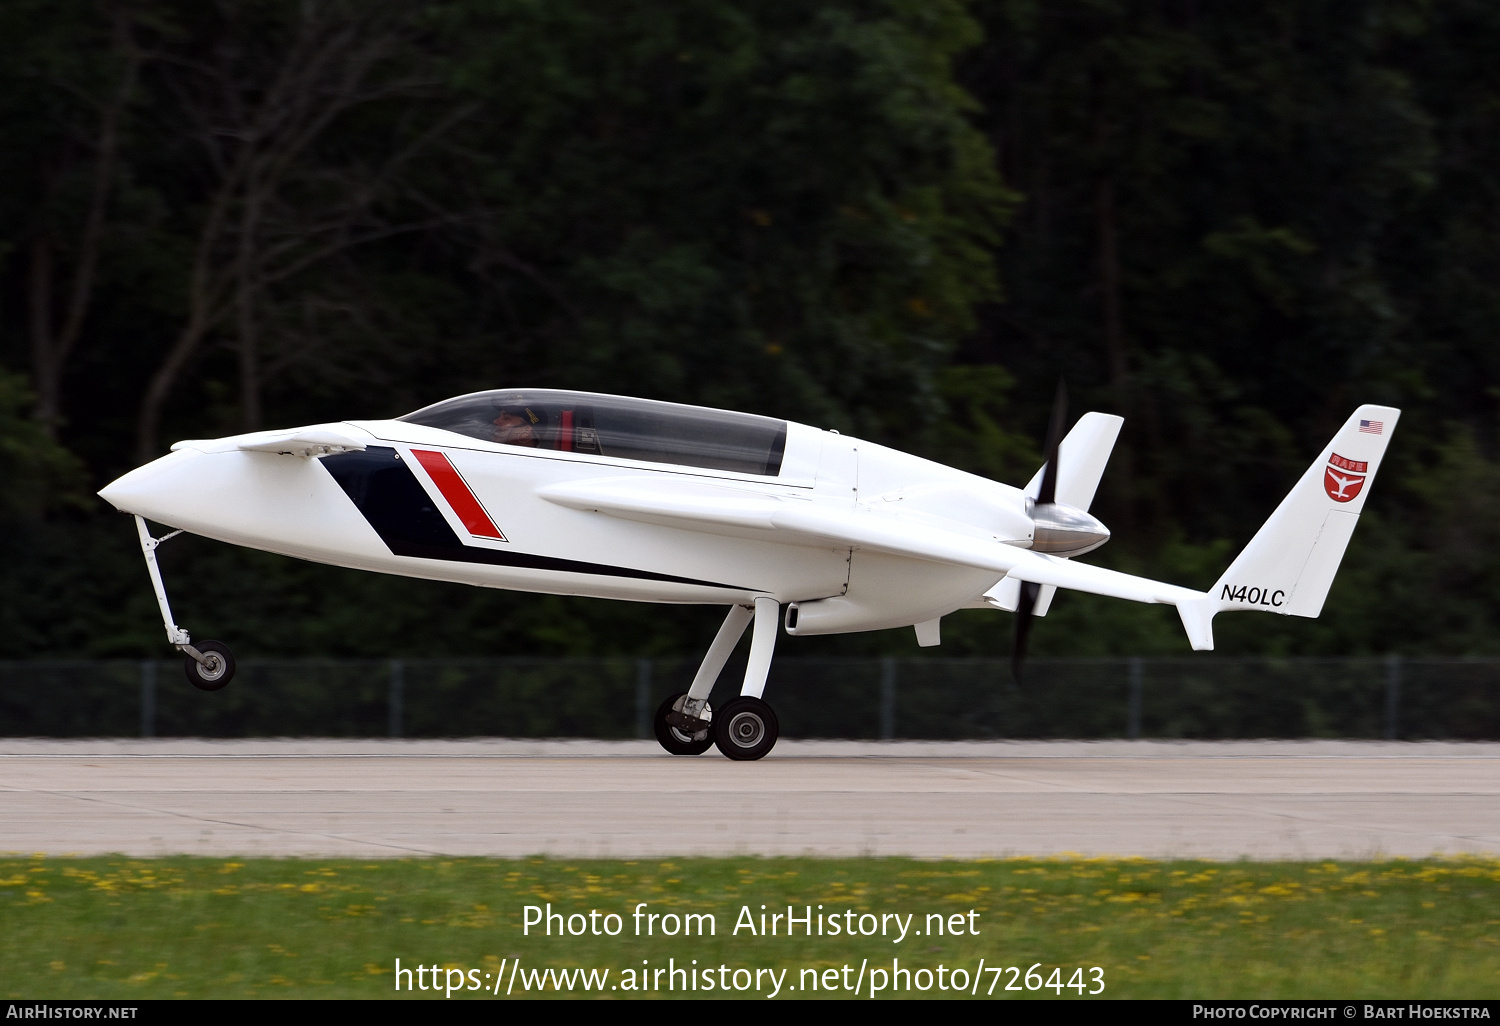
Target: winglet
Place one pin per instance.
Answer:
(1290, 564)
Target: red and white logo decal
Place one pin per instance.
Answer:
(456, 490)
(1343, 479)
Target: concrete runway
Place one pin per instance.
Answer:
(1259, 800)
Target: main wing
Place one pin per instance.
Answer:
(719, 509)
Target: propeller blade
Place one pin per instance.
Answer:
(1048, 491)
(1024, 607)
(1046, 496)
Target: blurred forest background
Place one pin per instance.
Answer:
(1229, 222)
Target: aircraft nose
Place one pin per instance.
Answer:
(153, 490)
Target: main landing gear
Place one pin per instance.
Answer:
(683, 728)
(209, 664)
(746, 728)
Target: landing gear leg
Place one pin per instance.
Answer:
(746, 728)
(210, 664)
(684, 723)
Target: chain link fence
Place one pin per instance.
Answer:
(1412, 699)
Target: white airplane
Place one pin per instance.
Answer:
(575, 493)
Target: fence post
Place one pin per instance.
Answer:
(397, 696)
(1392, 696)
(887, 698)
(148, 698)
(1133, 704)
(643, 698)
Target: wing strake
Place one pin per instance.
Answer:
(387, 493)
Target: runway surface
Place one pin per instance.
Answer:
(1259, 800)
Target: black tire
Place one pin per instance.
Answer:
(674, 739)
(219, 672)
(745, 729)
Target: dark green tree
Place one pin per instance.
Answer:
(342, 212)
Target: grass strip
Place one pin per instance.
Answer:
(193, 927)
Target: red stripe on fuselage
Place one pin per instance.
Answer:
(456, 491)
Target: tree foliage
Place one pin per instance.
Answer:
(1228, 222)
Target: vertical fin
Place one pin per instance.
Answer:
(1290, 564)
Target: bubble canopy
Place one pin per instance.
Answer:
(617, 426)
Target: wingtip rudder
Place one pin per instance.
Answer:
(1198, 620)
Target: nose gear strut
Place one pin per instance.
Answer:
(210, 664)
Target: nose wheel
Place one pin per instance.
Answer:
(214, 670)
(745, 729)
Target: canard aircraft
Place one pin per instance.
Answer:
(576, 493)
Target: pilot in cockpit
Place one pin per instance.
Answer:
(516, 425)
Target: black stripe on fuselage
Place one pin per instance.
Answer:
(383, 488)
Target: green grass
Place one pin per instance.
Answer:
(183, 927)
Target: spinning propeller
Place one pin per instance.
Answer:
(1044, 504)
(1060, 528)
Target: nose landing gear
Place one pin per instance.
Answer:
(209, 664)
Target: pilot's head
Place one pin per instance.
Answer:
(516, 425)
